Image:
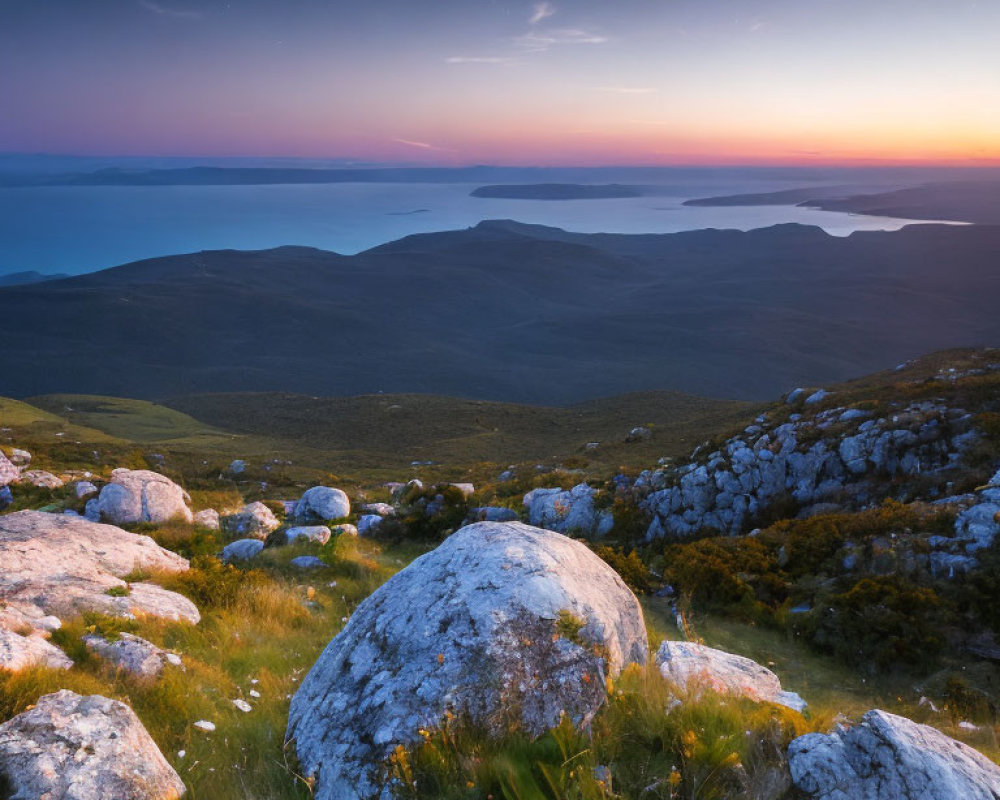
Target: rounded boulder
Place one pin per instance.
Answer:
(503, 624)
(323, 503)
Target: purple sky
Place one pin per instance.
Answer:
(478, 81)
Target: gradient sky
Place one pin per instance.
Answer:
(485, 81)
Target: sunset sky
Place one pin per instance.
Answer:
(483, 81)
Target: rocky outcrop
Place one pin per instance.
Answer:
(70, 747)
(569, 511)
(139, 496)
(253, 520)
(887, 757)
(838, 455)
(60, 565)
(692, 666)
(504, 623)
(132, 654)
(323, 503)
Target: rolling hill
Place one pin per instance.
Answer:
(511, 312)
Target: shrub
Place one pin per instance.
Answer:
(629, 567)
(878, 624)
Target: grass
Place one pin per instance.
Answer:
(830, 688)
(261, 630)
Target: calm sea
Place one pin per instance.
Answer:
(81, 229)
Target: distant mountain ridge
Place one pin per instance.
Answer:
(506, 311)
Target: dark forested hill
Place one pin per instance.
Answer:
(510, 312)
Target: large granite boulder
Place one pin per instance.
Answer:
(70, 747)
(505, 624)
(692, 667)
(887, 757)
(254, 520)
(569, 511)
(139, 495)
(60, 565)
(323, 503)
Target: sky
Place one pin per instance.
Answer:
(561, 82)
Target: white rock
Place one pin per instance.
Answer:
(887, 757)
(208, 518)
(139, 496)
(132, 654)
(20, 457)
(59, 565)
(70, 747)
(369, 524)
(323, 503)
(204, 725)
(344, 529)
(308, 533)
(8, 472)
(18, 652)
(41, 479)
(254, 520)
(692, 667)
(243, 705)
(242, 550)
(84, 489)
(469, 628)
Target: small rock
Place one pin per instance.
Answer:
(308, 533)
(243, 705)
(207, 518)
(308, 562)
(242, 550)
(204, 725)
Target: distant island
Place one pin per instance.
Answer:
(976, 202)
(558, 191)
(786, 197)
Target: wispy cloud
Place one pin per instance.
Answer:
(166, 11)
(540, 12)
(479, 60)
(627, 89)
(544, 39)
(420, 145)
(757, 26)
